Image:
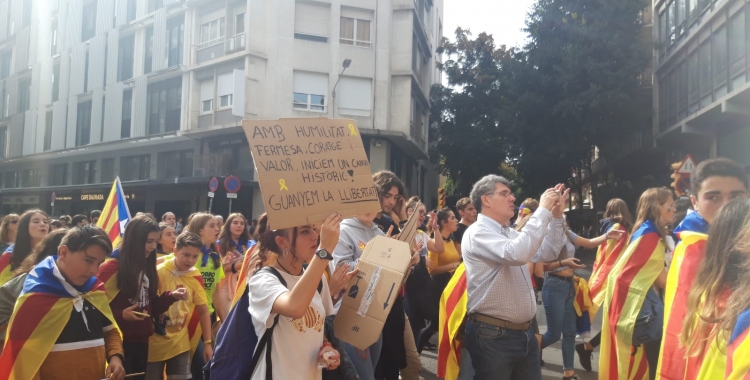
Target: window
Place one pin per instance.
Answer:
(4, 99)
(310, 91)
(84, 173)
(175, 40)
(164, 103)
(53, 39)
(149, 50)
(108, 170)
(10, 180)
(56, 81)
(355, 32)
(86, 74)
(3, 141)
(704, 66)
(693, 89)
(127, 112)
(125, 58)
(24, 95)
(225, 101)
(58, 175)
(671, 22)
(48, 131)
(719, 58)
(680, 15)
(153, 5)
(311, 21)
(135, 168)
(88, 27)
(737, 44)
(30, 178)
(5, 62)
(212, 33)
(207, 96)
(225, 89)
(239, 23)
(355, 96)
(178, 164)
(130, 15)
(26, 16)
(83, 124)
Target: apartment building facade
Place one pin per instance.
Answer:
(154, 91)
(701, 86)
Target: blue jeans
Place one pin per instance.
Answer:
(365, 361)
(502, 354)
(558, 296)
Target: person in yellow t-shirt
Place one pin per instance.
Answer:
(209, 264)
(174, 348)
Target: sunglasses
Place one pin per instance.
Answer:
(13, 222)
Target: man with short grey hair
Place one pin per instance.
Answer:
(501, 302)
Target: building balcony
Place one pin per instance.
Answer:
(235, 44)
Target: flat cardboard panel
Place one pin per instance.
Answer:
(310, 168)
(370, 295)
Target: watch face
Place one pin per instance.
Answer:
(323, 254)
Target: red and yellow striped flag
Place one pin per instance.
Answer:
(6, 273)
(606, 257)
(453, 308)
(41, 313)
(631, 277)
(245, 271)
(108, 274)
(115, 215)
(738, 350)
(688, 255)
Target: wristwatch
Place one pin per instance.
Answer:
(323, 254)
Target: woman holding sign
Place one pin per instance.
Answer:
(289, 304)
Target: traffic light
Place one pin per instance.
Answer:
(441, 198)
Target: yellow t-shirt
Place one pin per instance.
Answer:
(163, 347)
(449, 256)
(211, 278)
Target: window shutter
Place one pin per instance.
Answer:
(311, 18)
(207, 90)
(310, 83)
(225, 84)
(356, 95)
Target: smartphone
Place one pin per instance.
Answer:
(144, 315)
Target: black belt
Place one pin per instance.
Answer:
(564, 278)
(497, 322)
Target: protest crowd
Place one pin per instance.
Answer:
(233, 298)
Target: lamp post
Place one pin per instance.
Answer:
(347, 62)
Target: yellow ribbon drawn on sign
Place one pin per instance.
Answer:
(282, 183)
(353, 132)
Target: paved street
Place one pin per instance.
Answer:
(552, 355)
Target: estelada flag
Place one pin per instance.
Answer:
(115, 215)
(108, 274)
(688, 256)
(6, 273)
(245, 272)
(606, 257)
(453, 308)
(631, 277)
(41, 313)
(738, 349)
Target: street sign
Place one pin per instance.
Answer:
(682, 185)
(687, 166)
(53, 197)
(232, 184)
(232, 195)
(211, 194)
(213, 184)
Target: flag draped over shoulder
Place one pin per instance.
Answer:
(194, 281)
(245, 273)
(688, 256)
(453, 308)
(108, 274)
(738, 349)
(6, 273)
(115, 215)
(631, 277)
(41, 313)
(606, 257)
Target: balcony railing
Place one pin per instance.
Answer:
(210, 43)
(235, 43)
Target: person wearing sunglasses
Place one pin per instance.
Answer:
(8, 231)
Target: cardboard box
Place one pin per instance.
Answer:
(370, 295)
(310, 168)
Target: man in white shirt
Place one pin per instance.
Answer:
(501, 302)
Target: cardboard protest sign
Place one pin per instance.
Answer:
(370, 295)
(309, 168)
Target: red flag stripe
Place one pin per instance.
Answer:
(445, 346)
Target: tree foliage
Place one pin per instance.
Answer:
(542, 108)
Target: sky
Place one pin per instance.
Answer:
(504, 19)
